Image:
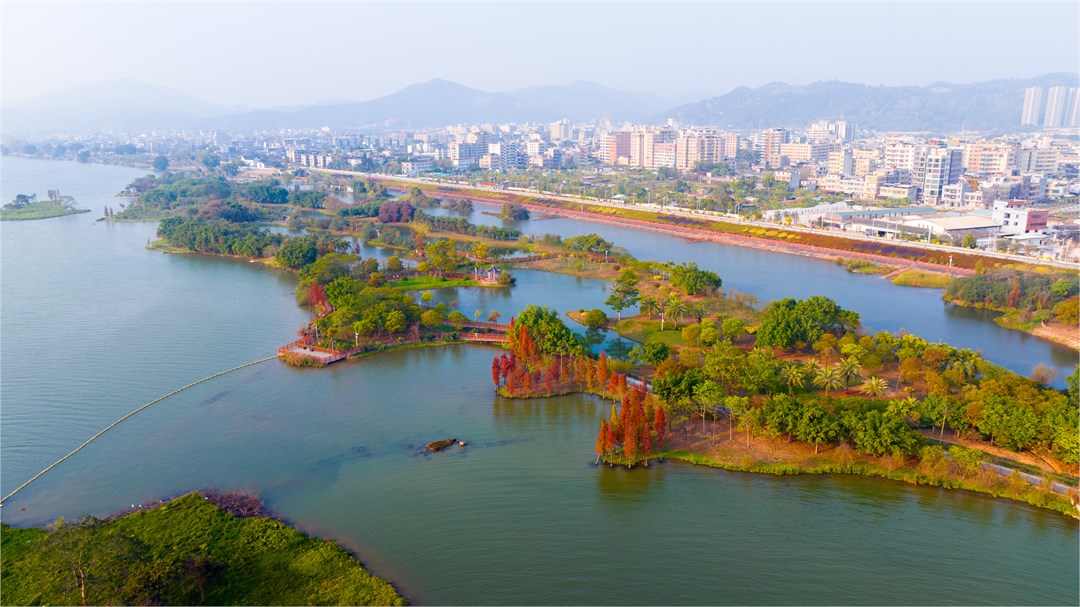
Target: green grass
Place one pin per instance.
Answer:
(918, 278)
(646, 331)
(39, 210)
(150, 556)
(423, 283)
(987, 482)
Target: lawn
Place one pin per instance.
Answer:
(423, 283)
(646, 331)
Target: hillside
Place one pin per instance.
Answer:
(941, 106)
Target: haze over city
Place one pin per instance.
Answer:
(270, 54)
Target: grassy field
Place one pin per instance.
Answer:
(423, 283)
(918, 278)
(187, 552)
(647, 330)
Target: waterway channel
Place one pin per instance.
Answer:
(93, 325)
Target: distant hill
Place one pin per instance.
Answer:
(112, 104)
(132, 105)
(941, 106)
(584, 101)
(429, 104)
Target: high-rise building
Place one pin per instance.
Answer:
(769, 142)
(1058, 101)
(694, 147)
(990, 157)
(934, 168)
(731, 145)
(1033, 100)
(615, 146)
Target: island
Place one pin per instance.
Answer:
(27, 206)
(199, 549)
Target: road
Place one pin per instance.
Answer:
(709, 215)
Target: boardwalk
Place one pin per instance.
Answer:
(481, 332)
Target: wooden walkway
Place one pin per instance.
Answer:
(482, 332)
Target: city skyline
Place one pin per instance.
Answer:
(263, 55)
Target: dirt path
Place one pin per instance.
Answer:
(1031, 459)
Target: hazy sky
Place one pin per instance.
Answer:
(264, 54)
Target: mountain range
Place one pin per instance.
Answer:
(131, 105)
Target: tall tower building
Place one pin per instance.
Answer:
(1057, 100)
(1072, 114)
(1033, 100)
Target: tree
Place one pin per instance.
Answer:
(788, 321)
(829, 378)
(817, 426)
(675, 309)
(624, 292)
(426, 298)
(457, 319)
(296, 253)
(969, 460)
(431, 318)
(849, 368)
(546, 329)
(733, 328)
(494, 316)
(649, 306)
(480, 251)
(395, 321)
(969, 241)
(96, 563)
(394, 265)
(595, 319)
(707, 395)
(874, 386)
(794, 376)
(161, 163)
(209, 160)
(514, 211)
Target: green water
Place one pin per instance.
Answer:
(93, 326)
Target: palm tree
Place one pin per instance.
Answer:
(649, 306)
(874, 386)
(676, 309)
(849, 368)
(829, 378)
(794, 375)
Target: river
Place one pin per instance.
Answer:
(93, 325)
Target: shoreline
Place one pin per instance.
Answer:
(692, 235)
(900, 474)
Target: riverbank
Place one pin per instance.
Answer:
(210, 548)
(716, 448)
(1056, 332)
